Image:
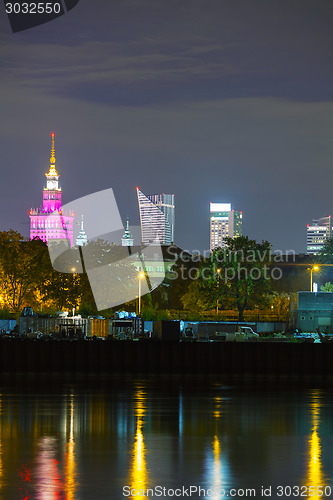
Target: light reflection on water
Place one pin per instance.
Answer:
(46, 471)
(70, 458)
(315, 476)
(84, 441)
(138, 470)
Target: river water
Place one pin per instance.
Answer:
(105, 438)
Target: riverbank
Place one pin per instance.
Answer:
(255, 358)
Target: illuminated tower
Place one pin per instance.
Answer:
(52, 192)
(157, 217)
(48, 221)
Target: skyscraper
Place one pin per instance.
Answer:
(317, 233)
(157, 217)
(48, 221)
(223, 222)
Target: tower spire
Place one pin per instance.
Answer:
(127, 239)
(52, 159)
(52, 172)
(82, 237)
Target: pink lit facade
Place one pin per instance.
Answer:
(49, 221)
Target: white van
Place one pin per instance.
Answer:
(244, 334)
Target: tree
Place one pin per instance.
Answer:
(280, 304)
(113, 275)
(328, 287)
(183, 274)
(196, 299)
(325, 256)
(325, 261)
(23, 264)
(63, 290)
(239, 272)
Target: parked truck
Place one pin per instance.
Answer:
(224, 331)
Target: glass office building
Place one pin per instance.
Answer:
(157, 217)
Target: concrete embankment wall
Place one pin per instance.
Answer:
(165, 357)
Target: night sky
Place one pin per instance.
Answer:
(212, 100)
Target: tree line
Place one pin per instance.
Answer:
(239, 277)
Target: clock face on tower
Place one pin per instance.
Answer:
(52, 185)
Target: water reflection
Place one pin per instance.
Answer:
(2, 482)
(138, 474)
(79, 439)
(70, 458)
(217, 466)
(217, 474)
(315, 476)
(50, 472)
(48, 481)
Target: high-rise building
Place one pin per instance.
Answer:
(157, 217)
(223, 222)
(49, 221)
(317, 233)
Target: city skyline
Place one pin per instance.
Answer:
(220, 213)
(156, 211)
(206, 101)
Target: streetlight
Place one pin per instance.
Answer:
(73, 271)
(311, 269)
(218, 289)
(140, 276)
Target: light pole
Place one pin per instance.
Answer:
(140, 276)
(218, 289)
(311, 269)
(73, 270)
